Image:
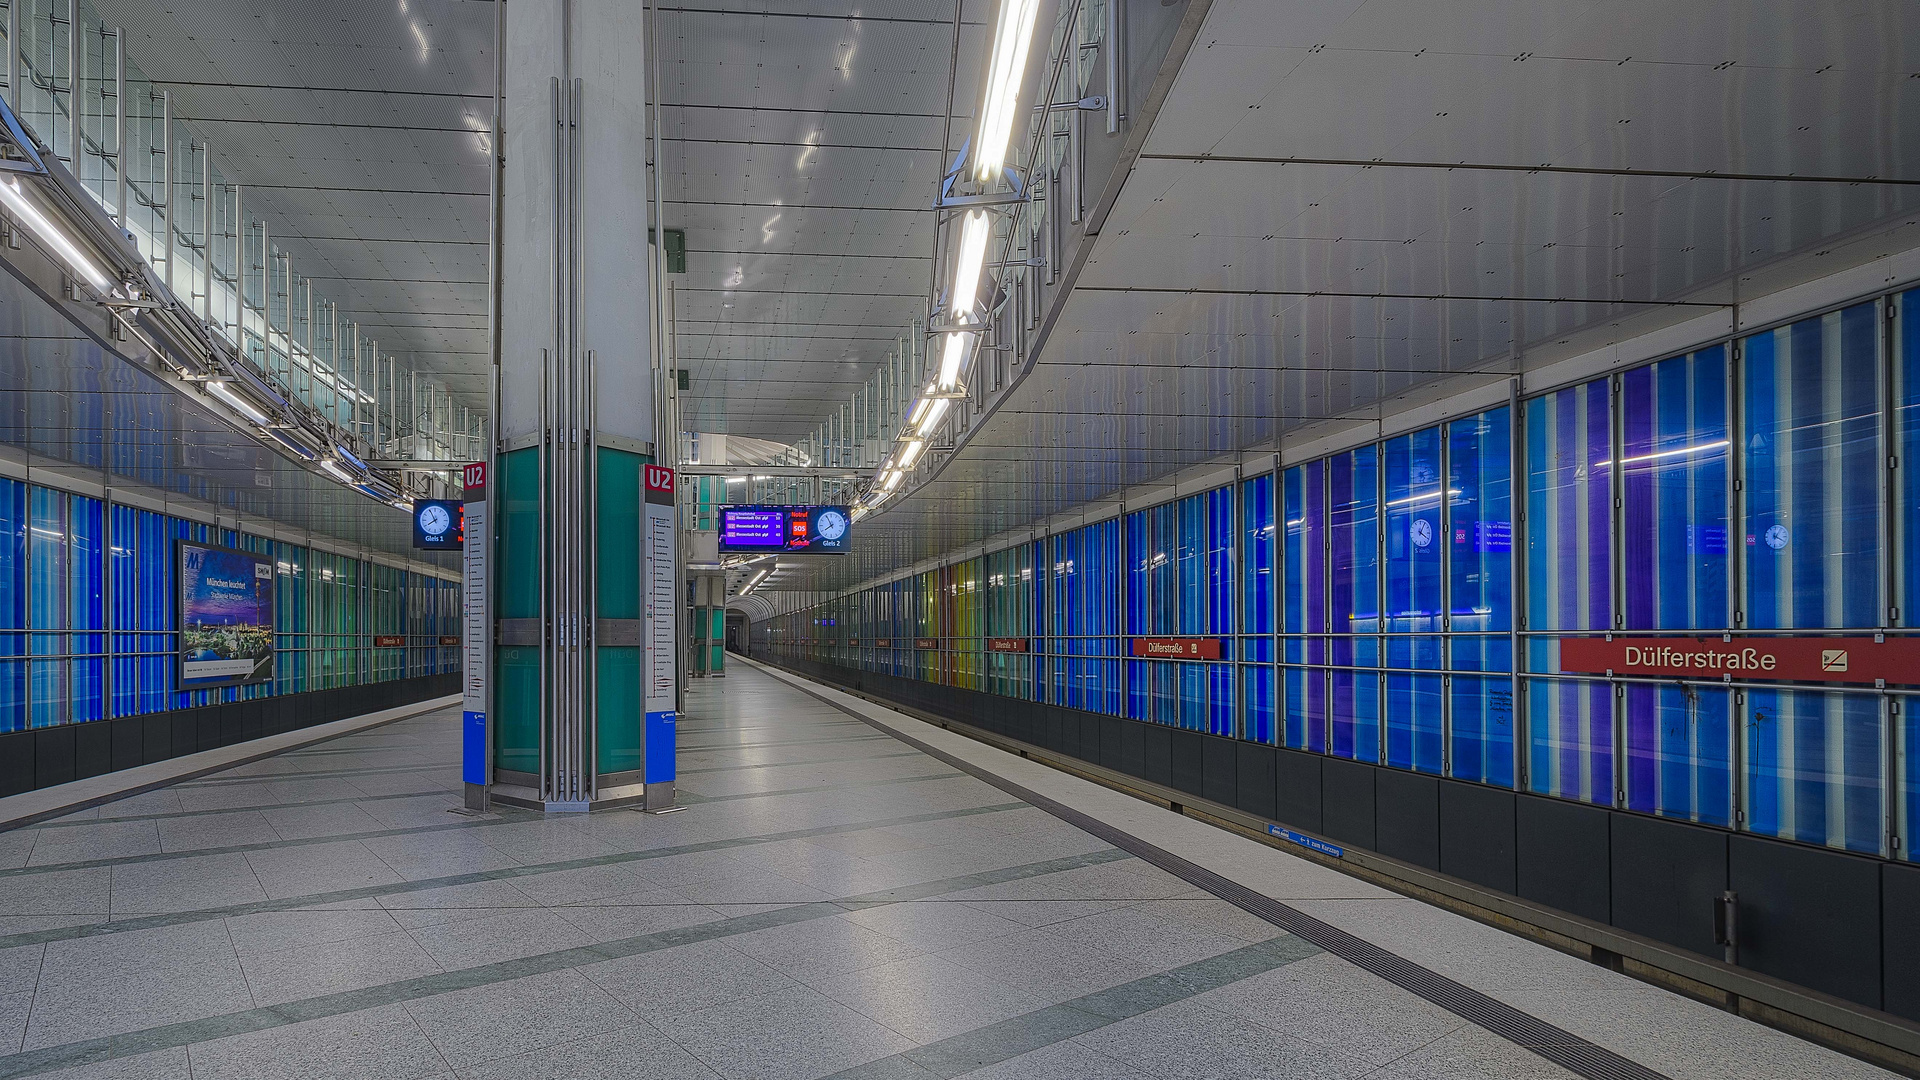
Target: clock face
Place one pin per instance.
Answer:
(1778, 536)
(435, 521)
(1422, 531)
(832, 525)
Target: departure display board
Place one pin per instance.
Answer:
(820, 530)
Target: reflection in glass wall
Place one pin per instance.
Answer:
(1480, 587)
(1258, 598)
(1354, 581)
(1415, 499)
(1304, 609)
(89, 622)
(1732, 493)
(1569, 587)
(1811, 436)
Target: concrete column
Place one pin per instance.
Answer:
(575, 414)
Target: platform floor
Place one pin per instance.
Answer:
(833, 903)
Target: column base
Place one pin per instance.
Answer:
(611, 798)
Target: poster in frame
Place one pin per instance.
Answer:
(226, 616)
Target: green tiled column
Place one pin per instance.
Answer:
(618, 713)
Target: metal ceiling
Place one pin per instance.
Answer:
(359, 131)
(804, 151)
(1341, 202)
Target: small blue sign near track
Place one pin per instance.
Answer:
(1308, 842)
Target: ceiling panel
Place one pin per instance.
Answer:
(1399, 216)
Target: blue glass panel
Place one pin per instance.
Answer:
(48, 554)
(1304, 609)
(86, 599)
(1680, 752)
(1480, 519)
(1257, 703)
(1413, 609)
(1304, 603)
(1570, 739)
(14, 520)
(1190, 566)
(1811, 440)
(1257, 568)
(1306, 703)
(1906, 480)
(1674, 484)
(1813, 768)
(1569, 532)
(1482, 745)
(1354, 584)
(1480, 579)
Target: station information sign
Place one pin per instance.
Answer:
(817, 530)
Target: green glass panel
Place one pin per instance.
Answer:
(516, 727)
(517, 553)
(618, 708)
(516, 575)
(617, 508)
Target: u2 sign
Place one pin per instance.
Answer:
(1797, 659)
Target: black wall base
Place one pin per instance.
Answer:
(43, 757)
(1840, 924)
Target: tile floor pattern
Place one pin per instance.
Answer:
(833, 904)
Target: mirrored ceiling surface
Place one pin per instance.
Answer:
(1340, 203)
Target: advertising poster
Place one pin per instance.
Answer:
(226, 617)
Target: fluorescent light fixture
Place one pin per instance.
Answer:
(763, 478)
(910, 453)
(218, 387)
(936, 408)
(1420, 497)
(305, 453)
(30, 215)
(1681, 451)
(402, 504)
(1011, 39)
(975, 231)
(919, 410)
(348, 456)
(736, 479)
(335, 470)
(893, 479)
(950, 360)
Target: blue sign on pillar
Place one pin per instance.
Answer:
(473, 748)
(661, 741)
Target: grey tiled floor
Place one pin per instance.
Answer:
(833, 903)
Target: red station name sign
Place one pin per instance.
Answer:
(1006, 644)
(1795, 659)
(1178, 648)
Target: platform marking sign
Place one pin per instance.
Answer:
(1309, 842)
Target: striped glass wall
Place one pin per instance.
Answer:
(1411, 602)
(89, 618)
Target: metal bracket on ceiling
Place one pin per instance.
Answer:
(17, 140)
(1092, 103)
(990, 201)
